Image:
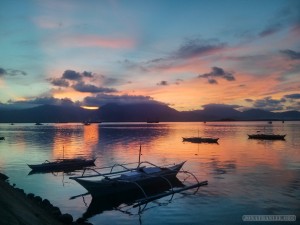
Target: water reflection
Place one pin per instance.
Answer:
(245, 176)
(68, 143)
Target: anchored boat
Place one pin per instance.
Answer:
(127, 180)
(200, 139)
(63, 164)
(267, 136)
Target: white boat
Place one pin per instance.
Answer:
(128, 180)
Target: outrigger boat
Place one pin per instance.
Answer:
(142, 179)
(63, 164)
(267, 136)
(128, 180)
(200, 139)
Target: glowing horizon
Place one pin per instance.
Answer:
(95, 53)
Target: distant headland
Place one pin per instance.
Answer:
(140, 112)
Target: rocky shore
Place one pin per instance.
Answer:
(19, 208)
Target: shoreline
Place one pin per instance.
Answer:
(19, 208)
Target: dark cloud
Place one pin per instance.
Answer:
(293, 96)
(220, 106)
(102, 99)
(82, 87)
(71, 75)
(269, 104)
(44, 101)
(286, 17)
(270, 29)
(87, 74)
(60, 82)
(76, 76)
(163, 83)
(2, 72)
(191, 48)
(217, 72)
(290, 54)
(197, 48)
(249, 100)
(12, 72)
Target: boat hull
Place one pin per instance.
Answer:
(266, 136)
(58, 166)
(200, 140)
(106, 187)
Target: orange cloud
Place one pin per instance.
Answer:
(68, 93)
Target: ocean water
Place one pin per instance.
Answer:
(245, 177)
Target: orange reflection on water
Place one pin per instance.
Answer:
(69, 144)
(91, 134)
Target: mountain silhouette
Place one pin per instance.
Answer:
(139, 112)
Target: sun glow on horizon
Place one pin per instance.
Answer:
(90, 107)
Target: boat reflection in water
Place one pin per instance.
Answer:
(125, 202)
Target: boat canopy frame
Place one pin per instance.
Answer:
(124, 166)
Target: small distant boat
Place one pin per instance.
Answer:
(2, 138)
(267, 136)
(63, 164)
(38, 124)
(270, 122)
(200, 139)
(86, 123)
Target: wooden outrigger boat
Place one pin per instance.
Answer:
(200, 139)
(143, 179)
(63, 164)
(267, 136)
(127, 180)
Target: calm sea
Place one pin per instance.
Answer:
(245, 177)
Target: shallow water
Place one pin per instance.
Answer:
(245, 177)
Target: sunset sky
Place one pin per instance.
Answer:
(187, 54)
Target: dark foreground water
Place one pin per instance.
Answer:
(245, 177)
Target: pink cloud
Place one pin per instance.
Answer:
(97, 41)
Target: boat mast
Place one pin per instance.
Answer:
(140, 153)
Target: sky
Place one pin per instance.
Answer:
(186, 54)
